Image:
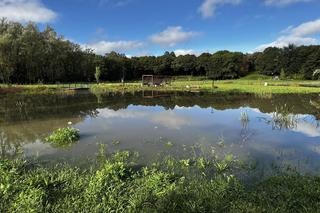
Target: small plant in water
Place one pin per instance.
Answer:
(64, 137)
(283, 119)
(169, 144)
(221, 141)
(244, 117)
(115, 142)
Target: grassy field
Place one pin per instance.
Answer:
(253, 83)
(250, 84)
(118, 184)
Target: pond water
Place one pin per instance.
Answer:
(271, 130)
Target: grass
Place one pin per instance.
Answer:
(119, 184)
(63, 137)
(253, 83)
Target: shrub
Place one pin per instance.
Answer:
(64, 137)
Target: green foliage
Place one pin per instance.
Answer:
(268, 62)
(188, 185)
(294, 62)
(29, 55)
(97, 74)
(282, 74)
(64, 137)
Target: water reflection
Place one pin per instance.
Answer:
(278, 128)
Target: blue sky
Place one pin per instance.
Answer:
(150, 27)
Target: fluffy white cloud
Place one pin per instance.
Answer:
(300, 35)
(179, 52)
(308, 28)
(208, 7)
(283, 2)
(26, 10)
(103, 47)
(172, 36)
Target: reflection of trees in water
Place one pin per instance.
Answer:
(8, 149)
(316, 104)
(29, 107)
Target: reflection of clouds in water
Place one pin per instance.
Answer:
(122, 113)
(169, 118)
(304, 124)
(38, 148)
(187, 108)
(307, 129)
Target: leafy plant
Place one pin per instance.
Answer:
(64, 137)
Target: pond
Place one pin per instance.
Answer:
(274, 131)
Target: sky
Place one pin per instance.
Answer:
(151, 27)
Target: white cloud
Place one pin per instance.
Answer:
(284, 41)
(179, 52)
(208, 7)
(172, 36)
(103, 47)
(300, 35)
(283, 2)
(26, 10)
(308, 28)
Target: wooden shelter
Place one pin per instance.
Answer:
(155, 80)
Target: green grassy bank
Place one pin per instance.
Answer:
(254, 83)
(118, 184)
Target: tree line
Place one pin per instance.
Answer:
(30, 55)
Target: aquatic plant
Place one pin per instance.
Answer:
(115, 142)
(221, 141)
(63, 137)
(283, 119)
(169, 144)
(244, 118)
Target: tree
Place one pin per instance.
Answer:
(282, 74)
(227, 65)
(184, 65)
(97, 74)
(6, 65)
(269, 62)
(316, 73)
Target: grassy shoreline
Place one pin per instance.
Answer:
(118, 184)
(249, 84)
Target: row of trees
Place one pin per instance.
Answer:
(28, 55)
(292, 61)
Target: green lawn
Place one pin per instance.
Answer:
(240, 85)
(253, 83)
